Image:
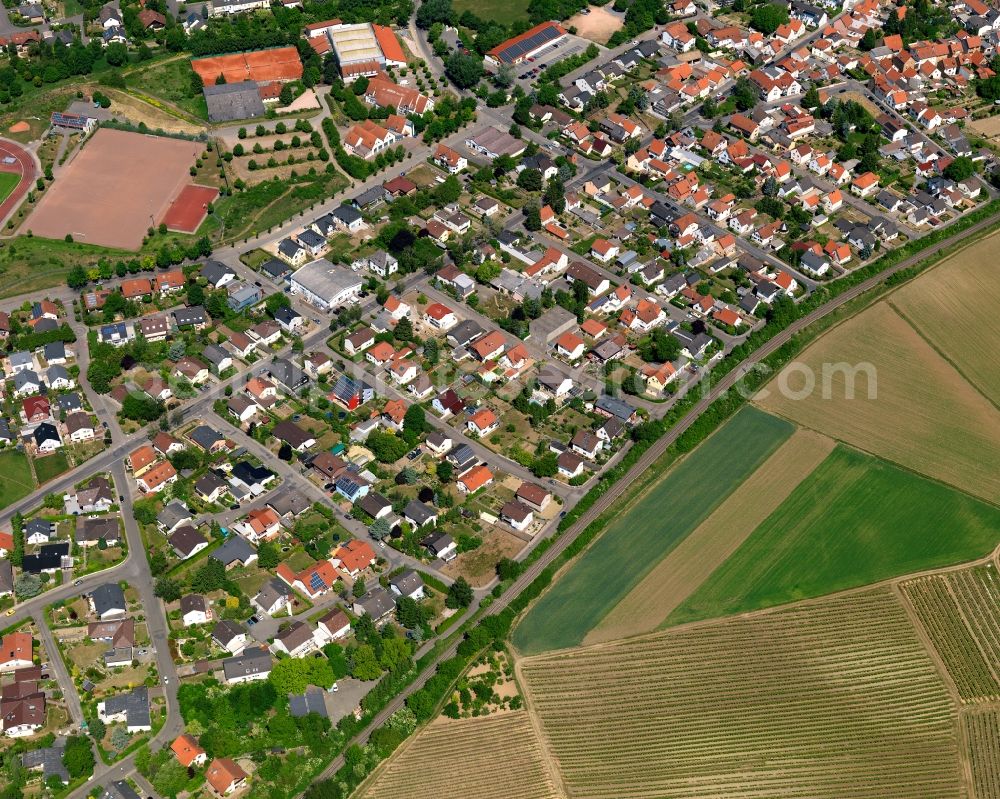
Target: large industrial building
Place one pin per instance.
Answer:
(326, 285)
(362, 49)
(523, 47)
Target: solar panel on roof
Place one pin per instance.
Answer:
(316, 582)
(533, 42)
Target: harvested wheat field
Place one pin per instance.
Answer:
(923, 416)
(954, 306)
(479, 758)
(681, 572)
(961, 613)
(829, 700)
(982, 740)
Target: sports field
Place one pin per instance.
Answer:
(275, 64)
(855, 520)
(504, 11)
(17, 481)
(476, 758)
(832, 700)
(619, 559)
(189, 208)
(118, 186)
(960, 611)
(680, 573)
(924, 415)
(8, 181)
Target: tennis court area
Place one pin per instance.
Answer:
(118, 186)
(189, 208)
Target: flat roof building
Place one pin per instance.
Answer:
(326, 285)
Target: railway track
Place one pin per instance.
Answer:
(649, 457)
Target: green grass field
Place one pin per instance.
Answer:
(633, 545)
(8, 180)
(854, 521)
(16, 482)
(50, 466)
(498, 10)
(172, 82)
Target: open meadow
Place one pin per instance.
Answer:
(961, 613)
(855, 520)
(673, 507)
(17, 480)
(680, 573)
(836, 699)
(923, 415)
(476, 758)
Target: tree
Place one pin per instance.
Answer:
(465, 71)
(532, 218)
(403, 330)
(78, 757)
(141, 407)
(96, 728)
(268, 555)
(167, 589)
(221, 80)
(449, 191)
(415, 420)
(285, 451)
(545, 465)
(210, 577)
(508, 569)
(411, 614)
(555, 195)
(364, 664)
(294, 675)
(386, 447)
(287, 94)
(530, 179)
(811, 98)
(358, 589)
(27, 585)
(962, 168)
(115, 54)
(445, 471)
(767, 18)
(119, 738)
(744, 94)
(459, 594)
(379, 530)
(869, 40)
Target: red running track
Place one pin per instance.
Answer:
(24, 166)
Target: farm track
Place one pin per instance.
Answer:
(651, 455)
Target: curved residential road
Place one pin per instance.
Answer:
(649, 457)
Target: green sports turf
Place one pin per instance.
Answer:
(634, 543)
(855, 520)
(8, 181)
(503, 11)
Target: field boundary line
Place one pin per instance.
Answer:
(928, 644)
(987, 658)
(941, 353)
(549, 757)
(881, 585)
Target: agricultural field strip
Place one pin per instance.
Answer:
(963, 622)
(981, 730)
(476, 758)
(903, 422)
(675, 577)
(953, 298)
(836, 699)
(854, 521)
(648, 530)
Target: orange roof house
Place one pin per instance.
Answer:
(136, 287)
(353, 557)
(483, 421)
(225, 776)
(187, 750)
(389, 45)
(141, 459)
(474, 479)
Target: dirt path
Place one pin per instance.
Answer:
(677, 576)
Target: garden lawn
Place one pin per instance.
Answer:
(17, 481)
(50, 466)
(647, 531)
(855, 520)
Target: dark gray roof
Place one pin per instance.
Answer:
(290, 501)
(45, 432)
(614, 406)
(251, 662)
(346, 214)
(108, 597)
(173, 514)
(119, 790)
(271, 592)
(205, 436)
(195, 315)
(185, 539)
(135, 706)
(191, 602)
(406, 582)
(376, 603)
(235, 549)
(48, 759)
(226, 630)
(419, 512)
(310, 702)
(6, 577)
(231, 101)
